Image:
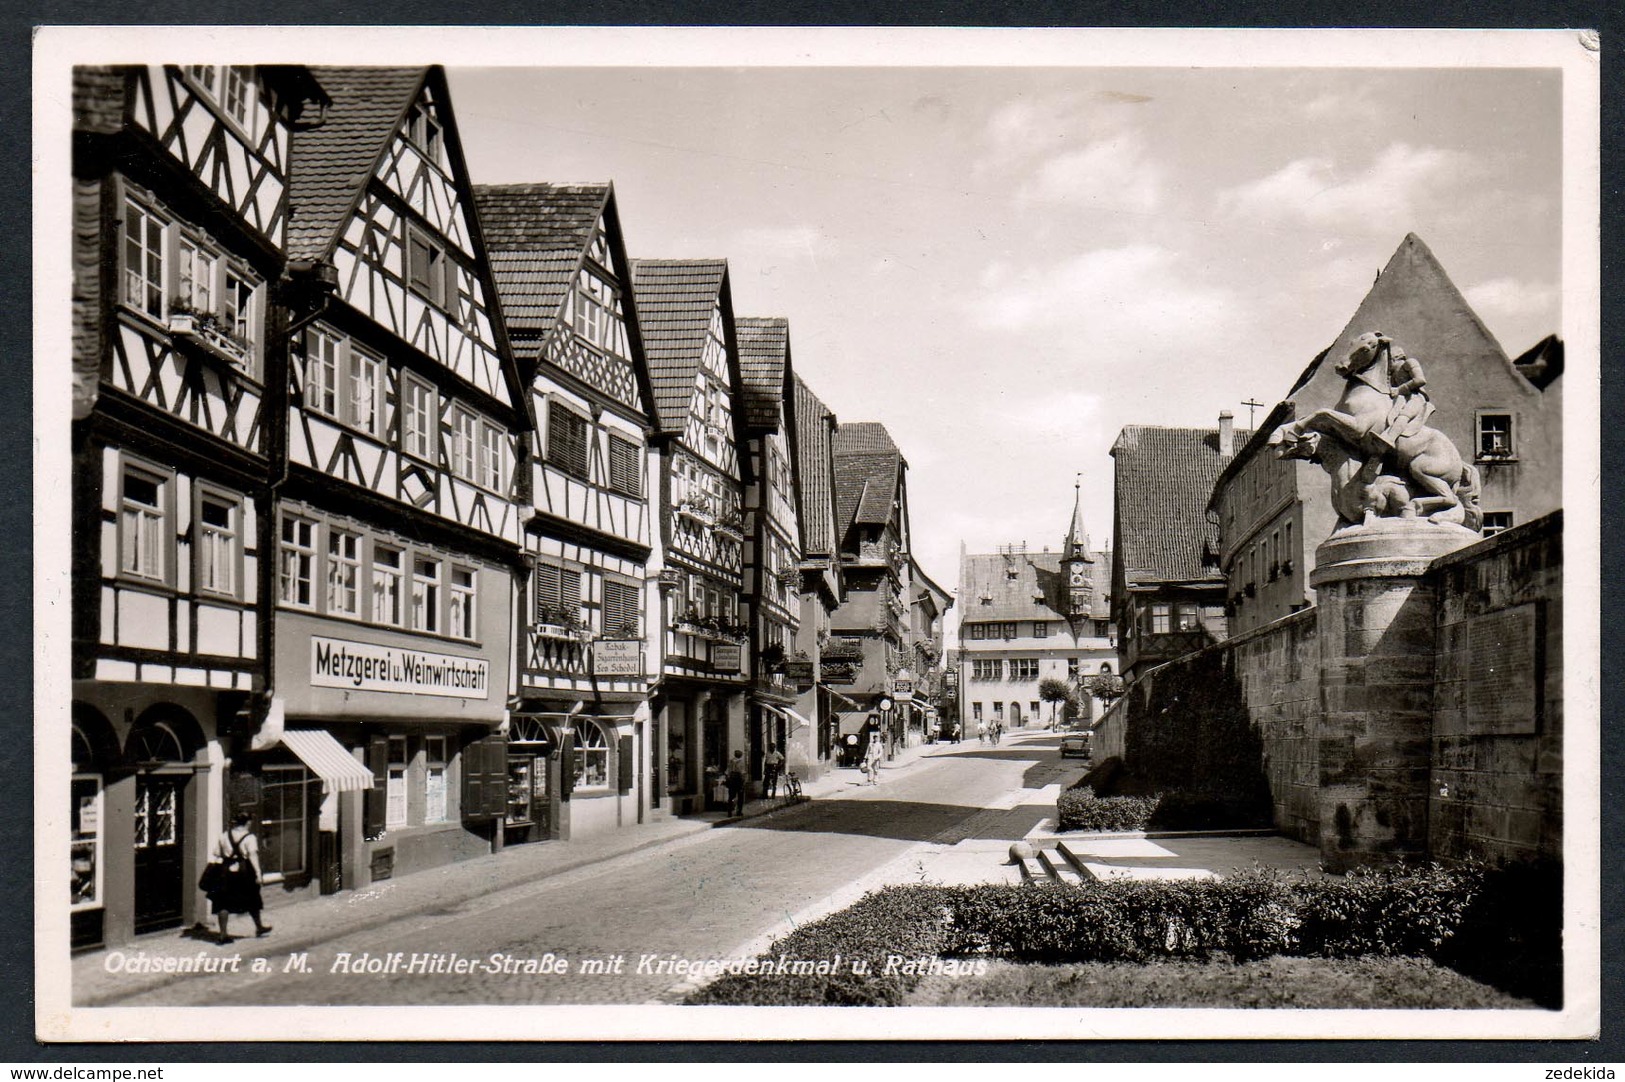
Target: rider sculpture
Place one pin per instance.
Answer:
(1383, 458)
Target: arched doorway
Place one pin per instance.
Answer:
(160, 751)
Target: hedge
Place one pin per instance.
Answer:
(1245, 916)
(1441, 913)
(1081, 809)
(905, 921)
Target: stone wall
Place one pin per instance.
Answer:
(1497, 780)
(1492, 764)
(1279, 668)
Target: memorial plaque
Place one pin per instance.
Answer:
(1499, 663)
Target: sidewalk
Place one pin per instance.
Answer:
(301, 925)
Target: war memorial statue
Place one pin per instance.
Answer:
(1385, 461)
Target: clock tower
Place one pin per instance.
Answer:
(1076, 561)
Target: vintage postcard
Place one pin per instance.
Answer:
(858, 534)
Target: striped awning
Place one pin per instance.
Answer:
(328, 760)
(797, 717)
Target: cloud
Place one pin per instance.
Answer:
(1396, 186)
(1116, 172)
(1132, 293)
(1512, 297)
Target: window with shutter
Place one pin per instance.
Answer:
(624, 475)
(558, 595)
(567, 440)
(377, 798)
(625, 770)
(621, 610)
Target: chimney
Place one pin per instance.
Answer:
(1227, 433)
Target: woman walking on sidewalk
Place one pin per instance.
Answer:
(238, 889)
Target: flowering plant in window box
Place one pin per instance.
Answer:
(1286, 567)
(559, 623)
(731, 521)
(696, 508)
(208, 330)
(627, 629)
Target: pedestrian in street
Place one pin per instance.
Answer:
(736, 784)
(237, 851)
(981, 730)
(871, 762)
(997, 731)
(772, 765)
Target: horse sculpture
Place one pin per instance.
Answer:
(1382, 422)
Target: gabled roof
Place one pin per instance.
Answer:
(868, 466)
(675, 298)
(329, 165)
(1021, 585)
(537, 235)
(764, 351)
(815, 471)
(1163, 480)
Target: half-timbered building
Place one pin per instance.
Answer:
(813, 438)
(686, 312)
(398, 528)
(772, 535)
(179, 216)
(869, 638)
(579, 739)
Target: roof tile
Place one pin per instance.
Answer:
(328, 166)
(1163, 480)
(674, 300)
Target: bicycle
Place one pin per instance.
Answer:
(792, 785)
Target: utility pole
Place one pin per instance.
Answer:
(1251, 406)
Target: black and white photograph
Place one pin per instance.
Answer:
(943, 534)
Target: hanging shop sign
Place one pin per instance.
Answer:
(726, 656)
(365, 666)
(617, 657)
(799, 672)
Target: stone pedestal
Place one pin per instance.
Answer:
(1376, 637)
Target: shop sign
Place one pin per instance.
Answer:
(950, 677)
(903, 686)
(365, 666)
(617, 657)
(799, 672)
(726, 656)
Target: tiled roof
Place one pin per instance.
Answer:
(817, 517)
(764, 348)
(1163, 479)
(867, 466)
(864, 437)
(1025, 586)
(98, 98)
(328, 165)
(674, 300)
(536, 234)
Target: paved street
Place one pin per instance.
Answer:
(707, 895)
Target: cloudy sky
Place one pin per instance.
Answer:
(1006, 266)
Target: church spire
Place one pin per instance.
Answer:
(1076, 545)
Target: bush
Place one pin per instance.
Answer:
(1512, 932)
(1247, 915)
(1081, 809)
(906, 921)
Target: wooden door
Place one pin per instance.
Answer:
(160, 833)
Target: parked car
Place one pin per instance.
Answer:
(1077, 743)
